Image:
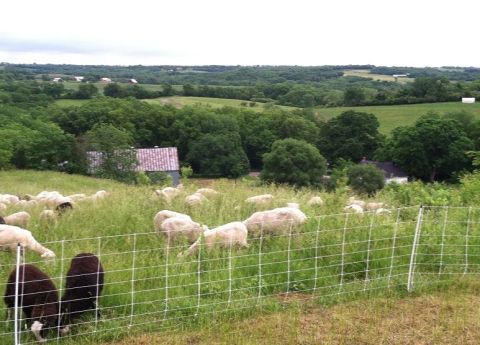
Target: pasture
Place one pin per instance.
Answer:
(333, 258)
(392, 116)
(363, 73)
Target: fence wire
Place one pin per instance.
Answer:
(148, 284)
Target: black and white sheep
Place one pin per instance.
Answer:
(38, 298)
(84, 284)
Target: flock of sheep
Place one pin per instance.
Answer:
(85, 278)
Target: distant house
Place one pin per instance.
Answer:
(132, 81)
(469, 100)
(105, 80)
(57, 80)
(151, 160)
(391, 171)
(79, 79)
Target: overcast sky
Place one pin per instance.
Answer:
(246, 32)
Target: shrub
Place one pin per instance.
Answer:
(365, 178)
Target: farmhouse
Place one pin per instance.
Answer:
(391, 171)
(79, 78)
(150, 160)
(105, 80)
(57, 80)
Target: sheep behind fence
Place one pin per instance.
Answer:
(148, 284)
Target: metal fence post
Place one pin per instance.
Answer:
(411, 269)
(17, 283)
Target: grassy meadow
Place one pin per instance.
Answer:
(331, 259)
(364, 73)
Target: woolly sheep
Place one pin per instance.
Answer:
(315, 201)
(11, 235)
(353, 201)
(48, 216)
(382, 211)
(354, 207)
(164, 214)
(20, 219)
(260, 199)
(3, 207)
(175, 227)
(227, 235)
(195, 199)
(275, 220)
(372, 206)
(9, 199)
(38, 299)
(84, 285)
(207, 192)
(293, 205)
(168, 193)
(74, 197)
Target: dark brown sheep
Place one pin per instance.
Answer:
(84, 284)
(38, 298)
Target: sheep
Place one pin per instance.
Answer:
(48, 216)
(354, 207)
(226, 235)
(3, 207)
(178, 226)
(275, 220)
(168, 193)
(11, 235)
(382, 211)
(259, 199)
(20, 219)
(164, 214)
(353, 201)
(74, 197)
(293, 205)
(2, 221)
(9, 199)
(372, 206)
(315, 201)
(195, 199)
(84, 285)
(38, 298)
(63, 207)
(207, 192)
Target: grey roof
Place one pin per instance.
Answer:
(390, 169)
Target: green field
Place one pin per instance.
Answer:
(318, 261)
(180, 101)
(392, 116)
(380, 77)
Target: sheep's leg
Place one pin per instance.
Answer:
(36, 329)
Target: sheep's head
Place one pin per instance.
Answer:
(204, 228)
(48, 254)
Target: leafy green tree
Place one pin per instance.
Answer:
(351, 136)
(365, 178)
(354, 96)
(294, 162)
(114, 90)
(118, 160)
(432, 149)
(86, 91)
(167, 90)
(218, 155)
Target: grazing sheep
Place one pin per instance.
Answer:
(227, 235)
(47, 216)
(195, 199)
(11, 235)
(77, 196)
(38, 298)
(260, 199)
(20, 219)
(353, 201)
(9, 199)
(2, 221)
(315, 201)
(168, 193)
(207, 192)
(84, 285)
(3, 207)
(181, 226)
(354, 207)
(63, 207)
(275, 220)
(293, 205)
(164, 214)
(372, 206)
(382, 211)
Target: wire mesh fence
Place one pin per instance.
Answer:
(148, 284)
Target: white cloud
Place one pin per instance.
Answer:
(301, 32)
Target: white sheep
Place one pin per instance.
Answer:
(207, 192)
(381, 210)
(11, 235)
(354, 207)
(20, 219)
(315, 201)
(353, 201)
(165, 214)
(48, 216)
(75, 197)
(168, 193)
(275, 220)
(175, 227)
(259, 199)
(195, 199)
(372, 206)
(3, 207)
(9, 199)
(226, 235)
(293, 205)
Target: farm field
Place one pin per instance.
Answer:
(363, 73)
(150, 289)
(392, 116)
(180, 101)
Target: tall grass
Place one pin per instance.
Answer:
(333, 257)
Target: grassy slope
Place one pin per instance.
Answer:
(381, 77)
(445, 318)
(391, 116)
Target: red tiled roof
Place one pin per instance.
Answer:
(153, 159)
